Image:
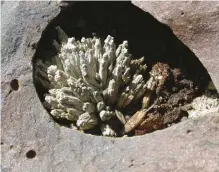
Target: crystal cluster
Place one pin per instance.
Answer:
(205, 104)
(91, 82)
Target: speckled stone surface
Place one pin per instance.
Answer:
(192, 145)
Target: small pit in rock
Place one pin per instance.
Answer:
(14, 84)
(31, 154)
(188, 131)
(108, 68)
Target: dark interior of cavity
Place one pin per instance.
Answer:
(146, 36)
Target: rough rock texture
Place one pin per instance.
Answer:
(192, 145)
(196, 24)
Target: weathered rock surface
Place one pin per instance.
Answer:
(196, 24)
(192, 145)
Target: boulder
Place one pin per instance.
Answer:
(31, 141)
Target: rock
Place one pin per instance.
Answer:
(196, 24)
(31, 141)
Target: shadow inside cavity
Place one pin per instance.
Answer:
(146, 36)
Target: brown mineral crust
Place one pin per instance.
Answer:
(174, 90)
(152, 122)
(156, 121)
(173, 116)
(181, 97)
(164, 70)
(140, 132)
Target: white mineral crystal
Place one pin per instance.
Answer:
(106, 115)
(107, 130)
(90, 82)
(87, 121)
(204, 105)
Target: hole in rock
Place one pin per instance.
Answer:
(115, 93)
(188, 131)
(31, 154)
(14, 85)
